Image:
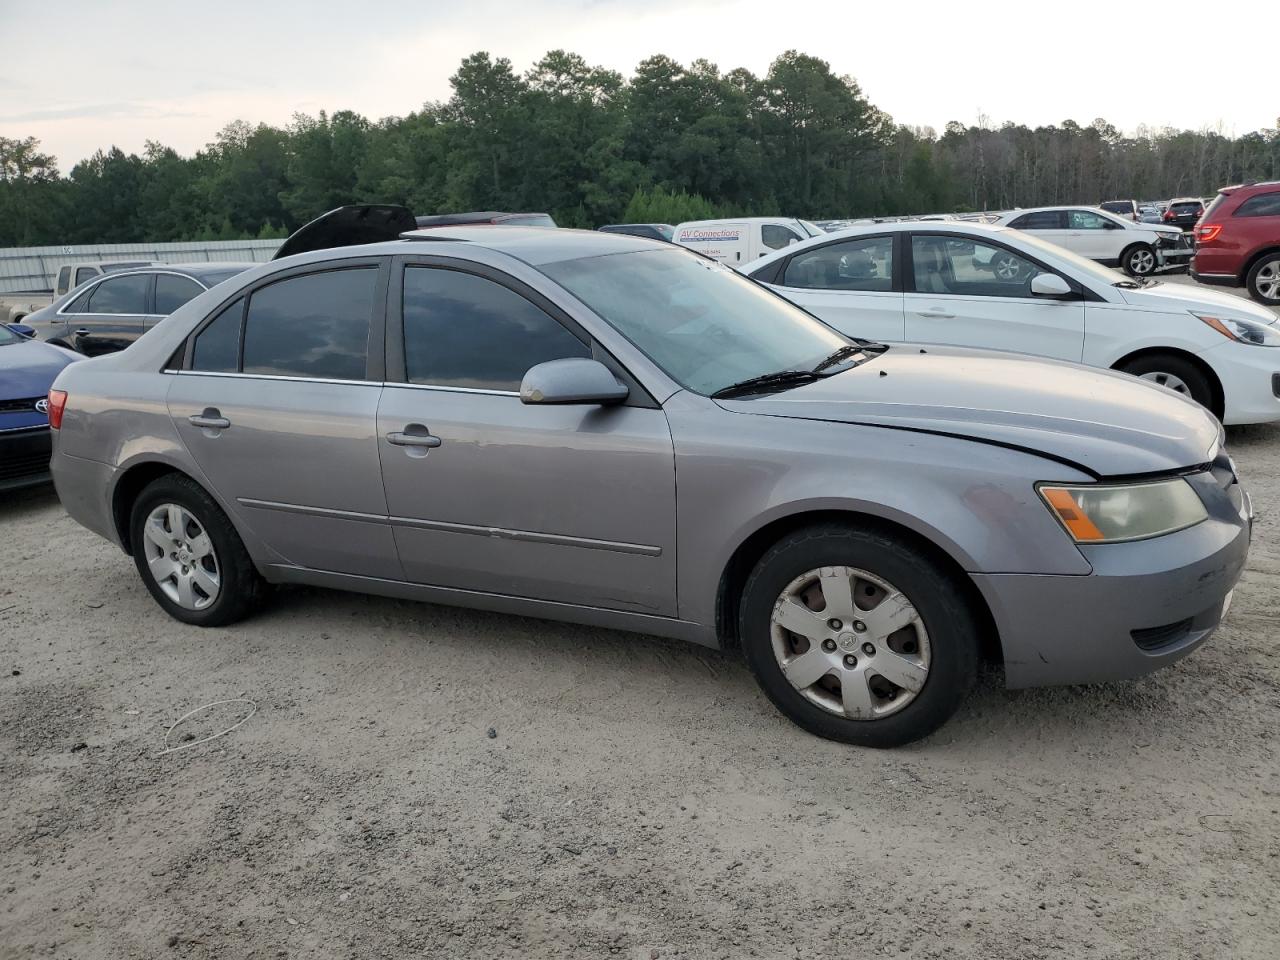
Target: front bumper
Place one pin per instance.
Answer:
(1250, 379)
(24, 457)
(1146, 604)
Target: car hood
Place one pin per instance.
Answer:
(27, 370)
(1164, 295)
(1107, 424)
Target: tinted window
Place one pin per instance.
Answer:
(864, 264)
(85, 273)
(217, 346)
(120, 295)
(172, 292)
(776, 237)
(64, 279)
(1263, 205)
(461, 330)
(1182, 209)
(1040, 220)
(1119, 206)
(1087, 220)
(316, 325)
(977, 269)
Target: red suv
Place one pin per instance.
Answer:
(1238, 241)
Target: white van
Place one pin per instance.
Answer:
(739, 241)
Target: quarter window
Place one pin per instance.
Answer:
(1039, 220)
(85, 273)
(315, 325)
(1263, 205)
(776, 237)
(863, 264)
(173, 291)
(461, 330)
(975, 269)
(120, 295)
(217, 346)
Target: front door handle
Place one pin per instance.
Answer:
(936, 314)
(210, 419)
(414, 435)
(83, 332)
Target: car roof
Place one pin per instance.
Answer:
(197, 271)
(536, 245)
(1187, 200)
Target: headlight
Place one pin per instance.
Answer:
(1245, 331)
(1105, 513)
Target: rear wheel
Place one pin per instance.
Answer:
(1174, 373)
(1139, 260)
(858, 636)
(1263, 281)
(190, 556)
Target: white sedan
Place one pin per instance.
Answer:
(1113, 241)
(987, 286)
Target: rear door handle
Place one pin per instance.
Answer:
(936, 314)
(210, 419)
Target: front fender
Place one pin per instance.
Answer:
(738, 473)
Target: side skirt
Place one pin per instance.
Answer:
(498, 603)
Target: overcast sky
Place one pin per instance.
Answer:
(84, 74)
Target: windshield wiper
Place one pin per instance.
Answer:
(778, 380)
(850, 350)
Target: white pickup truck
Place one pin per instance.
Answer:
(17, 304)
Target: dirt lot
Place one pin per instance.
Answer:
(640, 797)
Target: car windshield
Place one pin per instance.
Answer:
(666, 230)
(7, 336)
(703, 323)
(212, 279)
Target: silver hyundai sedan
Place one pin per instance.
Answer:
(609, 430)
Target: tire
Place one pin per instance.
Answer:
(212, 581)
(856, 563)
(1139, 260)
(1263, 280)
(1177, 374)
(1007, 267)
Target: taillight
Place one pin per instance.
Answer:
(1209, 233)
(57, 403)
(1168, 214)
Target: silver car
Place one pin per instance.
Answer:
(609, 430)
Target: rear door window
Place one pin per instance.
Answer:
(1039, 220)
(120, 295)
(217, 346)
(1263, 205)
(314, 326)
(862, 264)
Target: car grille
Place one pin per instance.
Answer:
(26, 464)
(21, 405)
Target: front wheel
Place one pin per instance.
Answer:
(1263, 281)
(858, 636)
(1139, 260)
(190, 556)
(1174, 373)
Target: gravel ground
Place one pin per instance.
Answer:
(425, 781)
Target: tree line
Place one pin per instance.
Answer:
(585, 144)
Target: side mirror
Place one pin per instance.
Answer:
(572, 380)
(22, 330)
(1049, 285)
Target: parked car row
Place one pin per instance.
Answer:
(506, 412)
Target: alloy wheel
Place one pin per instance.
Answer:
(180, 557)
(1172, 381)
(850, 642)
(1267, 280)
(1142, 262)
(1007, 267)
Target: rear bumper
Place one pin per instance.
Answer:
(1146, 604)
(24, 458)
(1214, 279)
(84, 487)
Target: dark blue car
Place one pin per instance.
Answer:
(27, 369)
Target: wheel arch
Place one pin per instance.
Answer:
(1253, 258)
(129, 487)
(1215, 384)
(748, 553)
